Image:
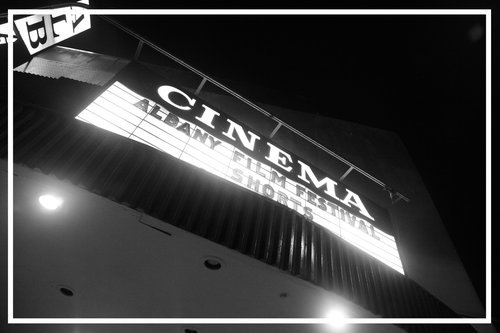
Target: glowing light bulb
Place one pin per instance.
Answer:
(336, 318)
(50, 202)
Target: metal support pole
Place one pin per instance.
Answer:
(27, 65)
(397, 199)
(346, 173)
(202, 83)
(138, 50)
(273, 133)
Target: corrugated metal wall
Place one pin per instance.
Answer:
(166, 188)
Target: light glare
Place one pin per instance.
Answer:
(50, 202)
(336, 318)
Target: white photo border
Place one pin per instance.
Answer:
(10, 168)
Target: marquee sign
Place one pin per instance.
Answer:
(186, 127)
(39, 32)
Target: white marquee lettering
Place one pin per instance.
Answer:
(279, 157)
(248, 143)
(353, 199)
(305, 172)
(164, 92)
(208, 116)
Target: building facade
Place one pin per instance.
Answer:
(224, 198)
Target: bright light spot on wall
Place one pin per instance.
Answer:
(50, 202)
(336, 318)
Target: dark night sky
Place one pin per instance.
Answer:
(422, 77)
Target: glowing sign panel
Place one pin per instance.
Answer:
(42, 31)
(228, 154)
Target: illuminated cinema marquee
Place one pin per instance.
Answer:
(187, 128)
